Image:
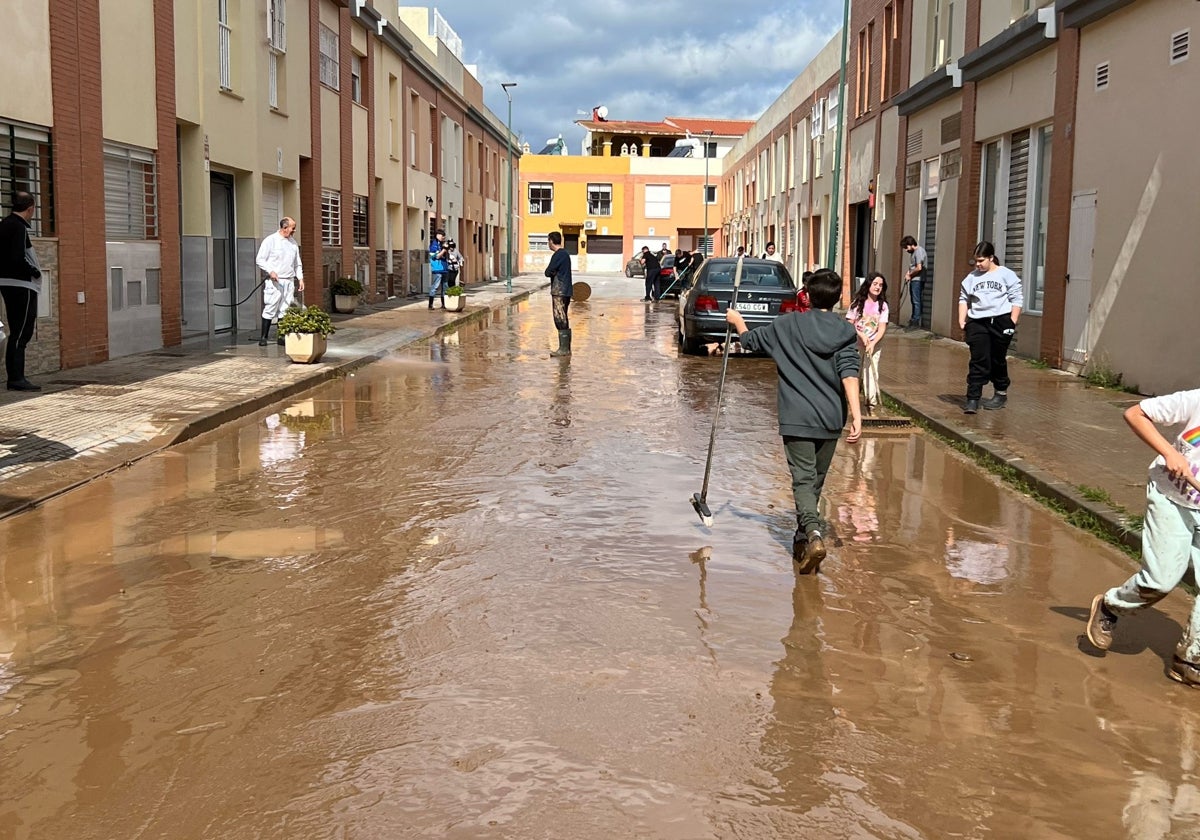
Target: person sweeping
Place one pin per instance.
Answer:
(816, 355)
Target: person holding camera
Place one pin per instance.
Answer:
(989, 306)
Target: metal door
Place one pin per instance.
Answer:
(1079, 278)
(224, 271)
(929, 240)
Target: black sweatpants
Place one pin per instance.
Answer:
(989, 353)
(20, 317)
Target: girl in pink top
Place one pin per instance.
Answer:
(869, 314)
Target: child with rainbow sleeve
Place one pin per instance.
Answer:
(1171, 534)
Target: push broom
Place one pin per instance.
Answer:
(700, 500)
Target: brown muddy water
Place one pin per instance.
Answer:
(462, 594)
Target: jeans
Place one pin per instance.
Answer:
(915, 287)
(560, 305)
(436, 284)
(20, 314)
(989, 353)
(1170, 545)
(808, 460)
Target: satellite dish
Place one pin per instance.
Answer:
(602, 112)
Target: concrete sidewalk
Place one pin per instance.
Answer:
(1059, 433)
(91, 420)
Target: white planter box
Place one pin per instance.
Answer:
(455, 303)
(344, 304)
(305, 348)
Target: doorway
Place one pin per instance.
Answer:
(224, 272)
(1078, 307)
(928, 240)
(861, 256)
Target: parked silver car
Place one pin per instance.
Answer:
(767, 291)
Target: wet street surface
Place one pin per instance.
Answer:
(463, 594)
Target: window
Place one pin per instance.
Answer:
(862, 80)
(890, 55)
(331, 217)
(658, 201)
(541, 199)
(941, 32)
(831, 112)
(413, 102)
(356, 78)
(224, 46)
(359, 221)
(328, 67)
(710, 149)
(539, 242)
(393, 117)
(130, 193)
(599, 199)
(1014, 205)
(710, 194)
(276, 25)
(25, 164)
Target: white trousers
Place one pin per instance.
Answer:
(277, 297)
(869, 376)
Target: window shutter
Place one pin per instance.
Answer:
(1018, 190)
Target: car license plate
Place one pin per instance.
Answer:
(753, 307)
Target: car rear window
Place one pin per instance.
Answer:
(763, 276)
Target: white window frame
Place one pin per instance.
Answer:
(130, 214)
(539, 243)
(356, 78)
(542, 205)
(658, 206)
(1033, 257)
(224, 46)
(277, 25)
(331, 217)
(329, 59)
(599, 198)
(273, 80)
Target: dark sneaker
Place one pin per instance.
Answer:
(995, 402)
(799, 543)
(814, 553)
(1100, 625)
(262, 342)
(971, 407)
(1185, 672)
(23, 385)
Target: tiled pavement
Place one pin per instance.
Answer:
(1058, 432)
(89, 421)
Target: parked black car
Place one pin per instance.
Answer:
(767, 291)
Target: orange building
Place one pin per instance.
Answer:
(636, 183)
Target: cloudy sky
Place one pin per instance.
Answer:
(643, 59)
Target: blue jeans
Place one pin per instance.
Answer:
(436, 284)
(1170, 545)
(915, 286)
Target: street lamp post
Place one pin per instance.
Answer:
(707, 246)
(508, 220)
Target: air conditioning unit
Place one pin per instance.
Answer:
(589, 224)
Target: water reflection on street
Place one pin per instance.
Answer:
(462, 594)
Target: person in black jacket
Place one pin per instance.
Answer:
(20, 282)
(559, 272)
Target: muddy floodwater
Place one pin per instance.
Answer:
(462, 594)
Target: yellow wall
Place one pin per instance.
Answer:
(127, 72)
(25, 62)
(1014, 98)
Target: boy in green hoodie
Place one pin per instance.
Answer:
(817, 358)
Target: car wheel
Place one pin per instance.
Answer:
(628, 273)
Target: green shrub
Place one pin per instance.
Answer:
(346, 286)
(314, 319)
(454, 291)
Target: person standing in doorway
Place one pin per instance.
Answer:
(437, 267)
(915, 277)
(559, 272)
(20, 283)
(279, 257)
(989, 307)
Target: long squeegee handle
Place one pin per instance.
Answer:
(712, 438)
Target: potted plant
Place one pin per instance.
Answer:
(305, 333)
(345, 292)
(455, 299)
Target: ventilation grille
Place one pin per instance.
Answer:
(915, 141)
(912, 176)
(951, 128)
(1180, 46)
(1102, 76)
(951, 164)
